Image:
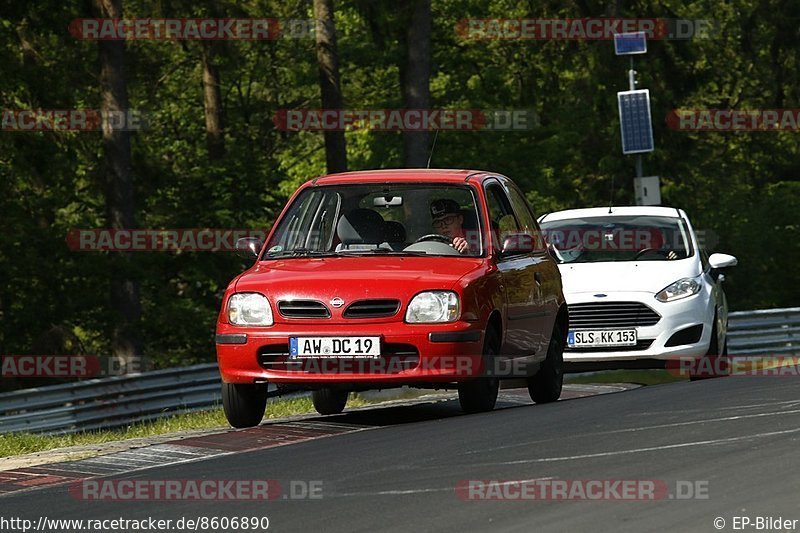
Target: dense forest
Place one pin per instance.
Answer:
(211, 155)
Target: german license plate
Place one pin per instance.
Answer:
(334, 347)
(601, 337)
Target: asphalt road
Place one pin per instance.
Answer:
(736, 441)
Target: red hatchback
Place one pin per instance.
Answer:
(379, 279)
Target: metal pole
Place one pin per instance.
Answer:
(631, 77)
(632, 87)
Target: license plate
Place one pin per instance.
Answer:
(601, 337)
(334, 347)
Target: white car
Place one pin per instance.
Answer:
(639, 287)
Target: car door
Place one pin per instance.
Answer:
(517, 275)
(546, 277)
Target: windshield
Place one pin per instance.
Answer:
(381, 219)
(618, 238)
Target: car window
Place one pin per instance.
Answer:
(522, 210)
(501, 213)
(334, 219)
(618, 238)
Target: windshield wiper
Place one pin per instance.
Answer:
(299, 252)
(380, 251)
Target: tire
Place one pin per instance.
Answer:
(714, 358)
(329, 401)
(244, 404)
(480, 395)
(546, 385)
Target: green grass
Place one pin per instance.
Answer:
(22, 443)
(641, 377)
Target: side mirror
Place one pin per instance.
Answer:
(551, 250)
(717, 261)
(517, 243)
(248, 247)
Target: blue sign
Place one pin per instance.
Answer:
(630, 43)
(634, 120)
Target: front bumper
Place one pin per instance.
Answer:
(697, 310)
(410, 353)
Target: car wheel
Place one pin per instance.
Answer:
(480, 395)
(244, 404)
(546, 385)
(715, 359)
(329, 401)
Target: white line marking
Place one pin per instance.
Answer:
(648, 449)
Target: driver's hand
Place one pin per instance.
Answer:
(460, 244)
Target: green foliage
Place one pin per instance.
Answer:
(742, 187)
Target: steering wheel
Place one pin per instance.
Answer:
(435, 237)
(643, 251)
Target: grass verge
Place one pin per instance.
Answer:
(641, 377)
(22, 443)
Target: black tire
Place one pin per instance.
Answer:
(329, 401)
(480, 395)
(244, 404)
(546, 385)
(715, 358)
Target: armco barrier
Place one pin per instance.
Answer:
(111, 402)
(764, 332)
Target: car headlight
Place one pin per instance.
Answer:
(433, 306)
(249, 309)
(683, 288)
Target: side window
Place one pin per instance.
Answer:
(522, 210)
(501, 214)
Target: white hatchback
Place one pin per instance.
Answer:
(639, 286)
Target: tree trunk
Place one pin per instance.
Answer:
(328, 60)
(125, 302)
(415, 78)
(212, 104)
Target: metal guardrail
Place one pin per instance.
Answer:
(124, 400)
(764, 332)
(111, 402)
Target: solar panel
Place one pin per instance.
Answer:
(630, 43)
(634, 120)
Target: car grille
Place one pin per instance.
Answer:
(395, 358)
(605, 315)
(303, 309)
(641, 344)
(372, 308)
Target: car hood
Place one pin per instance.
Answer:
(637, 276)
(354, 277)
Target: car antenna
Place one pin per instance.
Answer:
(611, 197)
(432, 147)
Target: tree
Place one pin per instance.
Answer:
(415, 75)
(212, 103)
(125, 299)
(329, 83)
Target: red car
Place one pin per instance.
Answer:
(379, 279)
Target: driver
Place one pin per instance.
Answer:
(448, 221)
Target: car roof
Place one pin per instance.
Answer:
(624, 210)
(437, 175)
